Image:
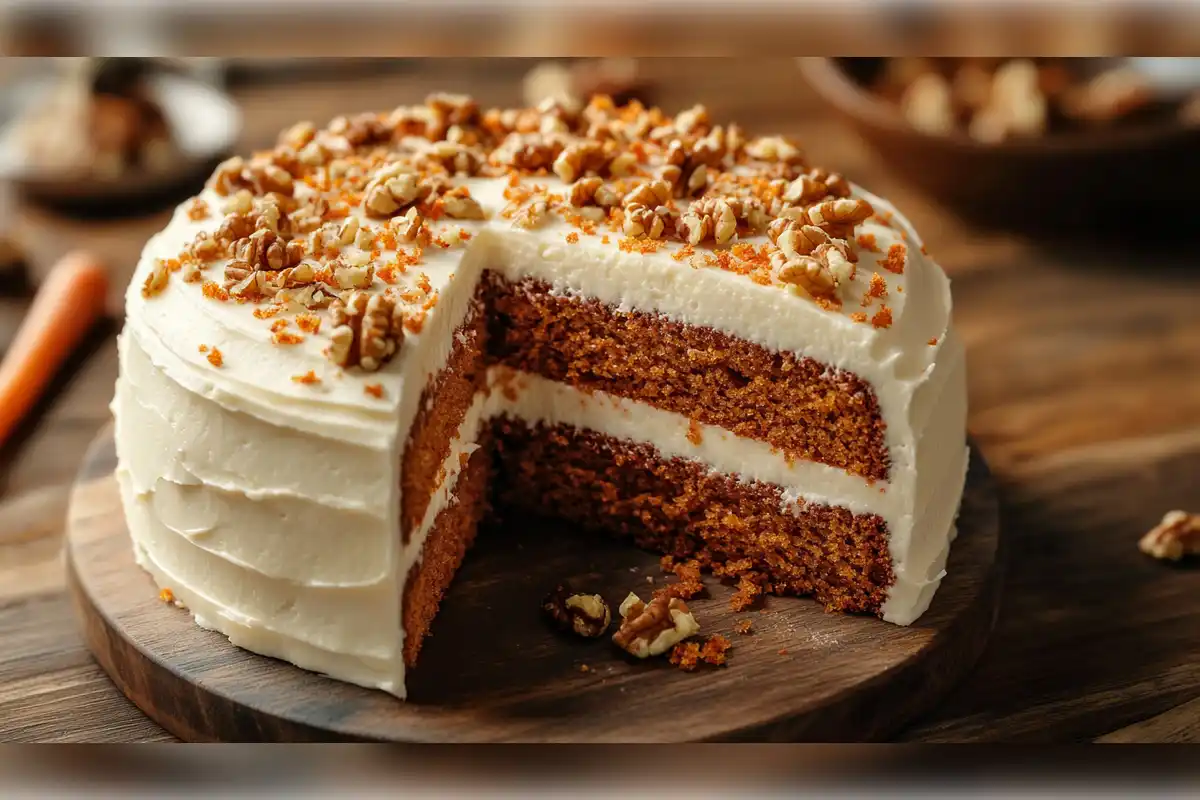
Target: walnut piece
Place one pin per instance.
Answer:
(584, 614)
(459, 204)
(1178, 535)
(367, 331)
(264, 250)
(714, 217)
(654, 628)
(641, 220)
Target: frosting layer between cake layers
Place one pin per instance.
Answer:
(270, 507)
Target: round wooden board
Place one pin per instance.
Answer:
(493, 671)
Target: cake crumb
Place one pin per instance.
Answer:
(687, 573)
(307, 378)
(167, 596)
(896, 256)
(283, 337)
(694, 434)
(689, 655)
(203, 348)
(216, 358)
(279, 325)
(374, 389)
(882, 318)
(858, 316)
(584, 668)
(572, 238)
(783, 651)
(749, 588)
(742, 626)
(933, 341)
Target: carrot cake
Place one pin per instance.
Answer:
(346, 349)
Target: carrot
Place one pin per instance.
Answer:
(69, 302)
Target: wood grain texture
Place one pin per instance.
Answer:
(801, 675)
(1082, 356)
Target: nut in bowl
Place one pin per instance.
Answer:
(1052, 144)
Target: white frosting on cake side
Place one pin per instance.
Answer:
(270, 506)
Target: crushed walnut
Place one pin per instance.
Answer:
(367, 331)
(651, 629)
(1176, 536)
(584, 614)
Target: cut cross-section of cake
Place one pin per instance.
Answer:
(346, 349)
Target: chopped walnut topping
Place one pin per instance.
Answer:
(713, 217)
(533, 215)
(651, 194)
(264, 250)
(579, 159)
(583, 191)
(408, 227)
(652, 629)
(367, 331)
(1176, 536)
(459, 204)
(643, 221)
(157, 280)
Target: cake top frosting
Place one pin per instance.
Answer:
(342, 227)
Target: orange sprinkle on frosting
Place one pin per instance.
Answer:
(309, 323)
(213, 291)
(897, 254)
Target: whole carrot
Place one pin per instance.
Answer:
(66, 306)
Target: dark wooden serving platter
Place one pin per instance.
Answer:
(493, 671)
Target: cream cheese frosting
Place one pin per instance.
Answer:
(270, 506)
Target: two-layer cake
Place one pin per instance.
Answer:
(346, 347)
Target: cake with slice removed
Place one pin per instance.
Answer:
(341, 353)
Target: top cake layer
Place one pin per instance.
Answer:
(259, 291)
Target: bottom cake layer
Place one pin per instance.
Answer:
(738, 529)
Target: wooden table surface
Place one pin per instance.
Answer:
(1084, 364)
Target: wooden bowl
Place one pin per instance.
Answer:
(1112, 180)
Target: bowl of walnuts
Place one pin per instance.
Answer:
(1043, 142)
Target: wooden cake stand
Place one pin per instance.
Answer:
(494, 671)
